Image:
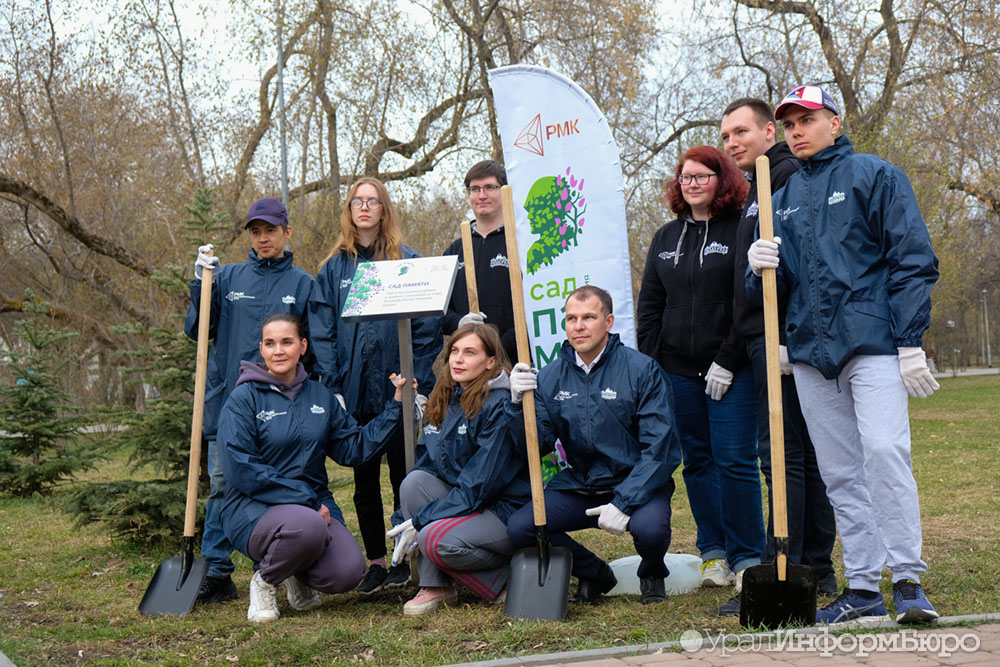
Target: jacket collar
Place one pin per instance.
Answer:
(841, 148)
(568, 354)
(261, 265)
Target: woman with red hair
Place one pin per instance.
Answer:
(685, 321)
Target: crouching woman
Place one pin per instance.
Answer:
(468, 478)
(275, 432)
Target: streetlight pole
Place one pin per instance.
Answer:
(951, 340)
(986, 322)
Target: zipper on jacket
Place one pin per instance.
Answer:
(818, 330)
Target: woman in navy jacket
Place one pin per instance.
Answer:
(275, 432)
(366, 352)
(685, 321)
(468, 479)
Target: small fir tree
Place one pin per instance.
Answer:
(39, 425)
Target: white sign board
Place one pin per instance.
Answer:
(401, 289)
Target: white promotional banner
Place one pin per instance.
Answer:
(565, 174)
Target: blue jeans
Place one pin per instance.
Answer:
(719, 443)
(812, 529)
(215, 546)
(566, 511)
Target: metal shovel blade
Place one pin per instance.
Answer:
(770, 603)
(535, 594)
(172, 591)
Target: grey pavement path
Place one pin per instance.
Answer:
(878, 645)
(4, 662)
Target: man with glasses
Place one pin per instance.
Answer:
(857, 268)
(747, 132)
(489, 248)
(243, 294)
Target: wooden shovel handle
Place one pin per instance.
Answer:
(198, 416)
(523, 353)
(470, 267)
(771, 344)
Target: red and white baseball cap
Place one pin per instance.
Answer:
(810, 97)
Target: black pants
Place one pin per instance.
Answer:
(368, 493)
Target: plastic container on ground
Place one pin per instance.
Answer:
(684, 577)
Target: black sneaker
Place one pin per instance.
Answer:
(732, 607)
(588, 590)
(652, 589)
(217, 589)
(373, 580)
(397, 575)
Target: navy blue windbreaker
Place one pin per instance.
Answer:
(364, 354)
(243, 295)
(274, 450)
(615, 423)
(857, 265)
(481, 458)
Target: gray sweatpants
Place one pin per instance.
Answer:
(473, 550)
(293, 540)
(859, 424)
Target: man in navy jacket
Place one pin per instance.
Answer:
(610, 407)
(243, 294)
(857, 269)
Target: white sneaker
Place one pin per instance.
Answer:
(300, 596)
(716, 572)
(739, 581)
(263, 601)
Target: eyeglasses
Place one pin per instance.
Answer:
(700, 179)
(488, 189)
(371, 203)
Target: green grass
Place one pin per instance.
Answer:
(70, 596)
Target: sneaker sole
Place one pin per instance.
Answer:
(714, 583)
(428, 607)
(917, 615)
(858, 621)
(395, 584)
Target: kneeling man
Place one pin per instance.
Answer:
(610, 407)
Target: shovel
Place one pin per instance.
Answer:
(539, 577)
(779, 593)
(174, 588)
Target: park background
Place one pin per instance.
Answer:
(132, 131)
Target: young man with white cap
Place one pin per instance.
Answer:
(857, 267)
(243, 294)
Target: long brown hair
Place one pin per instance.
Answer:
(390, 236)
(475, 394)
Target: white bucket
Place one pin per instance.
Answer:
(684, 577)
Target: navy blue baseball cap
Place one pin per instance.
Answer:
(268, 209)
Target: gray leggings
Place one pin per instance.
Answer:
(295, 540)
(473, 550)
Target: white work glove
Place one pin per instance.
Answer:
(717, 381)
(418, 407)
(205, 262)
(472, 318)
(610, 518)
(763, 255)
(340, 399)
(786, 365)
(522, 378)
(917, 377)
(406, 541)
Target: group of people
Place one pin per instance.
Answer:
(291, 383)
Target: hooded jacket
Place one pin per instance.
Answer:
(748, 313)
(274, 448)
(856, 262)
(615, 423)
(480, 458)
(684, 315)
(243, 295)
(493, 284)
(366, 353)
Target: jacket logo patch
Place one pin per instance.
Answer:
(499, 260)
(236, 296)
(563, 396)
(345, 283)
(836, 198)
(609, 394)
(462, 429)
(461, 265)
(787, 212)
(268, 415)
(288, 299)
(668, 254)
(752, 210)
(716, 248)
(431, 429)
(317, 409)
